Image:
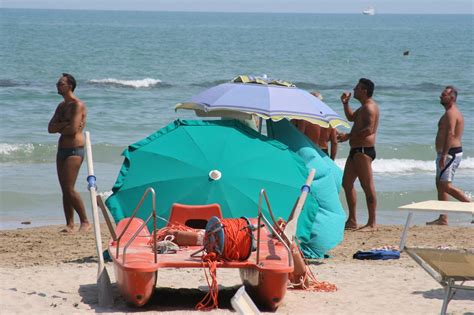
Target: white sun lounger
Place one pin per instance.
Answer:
(433, 206)
(448, 267)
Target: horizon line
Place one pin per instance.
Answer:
(251, 12)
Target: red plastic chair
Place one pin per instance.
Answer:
(194, 216)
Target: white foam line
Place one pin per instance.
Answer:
(143, 83)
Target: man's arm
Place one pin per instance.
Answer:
(333, 140)
(75, 124)
(54, 124)
(345, 97)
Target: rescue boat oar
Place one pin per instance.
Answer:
(103, 281)
(290, 228)
(298, 275)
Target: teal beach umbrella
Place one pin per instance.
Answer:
(203, 162)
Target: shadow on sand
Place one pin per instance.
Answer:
(438, 294)
(163, 299)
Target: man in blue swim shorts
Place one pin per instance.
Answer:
(69, 120)
(449, 150)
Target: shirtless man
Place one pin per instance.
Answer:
(362, 153)
(449, 150)
(328, 135)
(69, 120)
(318, 135)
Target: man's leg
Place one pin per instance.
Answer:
(351, 195)
(454, 192)
(72, 164)
(442, 196)
(363, 165)
(445, 189)
(68, 209)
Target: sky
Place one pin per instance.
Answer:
(290, 6)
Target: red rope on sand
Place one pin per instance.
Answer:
(309, 282)
(237, 244)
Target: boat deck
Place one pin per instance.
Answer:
(139, 254)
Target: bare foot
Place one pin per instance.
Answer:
(350, 225)
(367, 228)
(85, 227)
(438, 221)
(67, 229)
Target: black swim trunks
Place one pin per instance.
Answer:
(369, 151)
(325, 150)
(64, 153)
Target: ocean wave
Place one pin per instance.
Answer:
(408, 166)
(143, 83)
(26, 152)
(208, 84)
(40, 153)
(419, 87)
(31, 153)
(9, 149)
(12, 83)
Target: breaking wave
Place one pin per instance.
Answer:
(408, 166)
(137, 84)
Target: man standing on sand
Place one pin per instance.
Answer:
(449, 150)
(362, 153)
(69, 120)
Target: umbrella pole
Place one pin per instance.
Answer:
(270, 133)
(103, 280)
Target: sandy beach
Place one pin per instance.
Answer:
(45, 272)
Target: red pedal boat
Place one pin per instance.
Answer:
(136, 264)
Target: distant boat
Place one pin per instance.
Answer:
(369, 11)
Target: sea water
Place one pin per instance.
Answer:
(133, 67)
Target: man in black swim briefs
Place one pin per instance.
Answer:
(69, 120)
(362, 153)
(369, 151)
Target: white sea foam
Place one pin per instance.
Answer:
(9, 148)
(408, 166)
(143, 83)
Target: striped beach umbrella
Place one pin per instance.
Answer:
(273, 100)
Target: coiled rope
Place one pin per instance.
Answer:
(237, 247)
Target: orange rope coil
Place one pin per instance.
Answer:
(237, 246)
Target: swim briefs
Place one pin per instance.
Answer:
(64, 153)
(452, 163)
(369, 151)
(325, 150)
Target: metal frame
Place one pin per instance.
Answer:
(448, 283)
(259, 222)
(134, 236)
